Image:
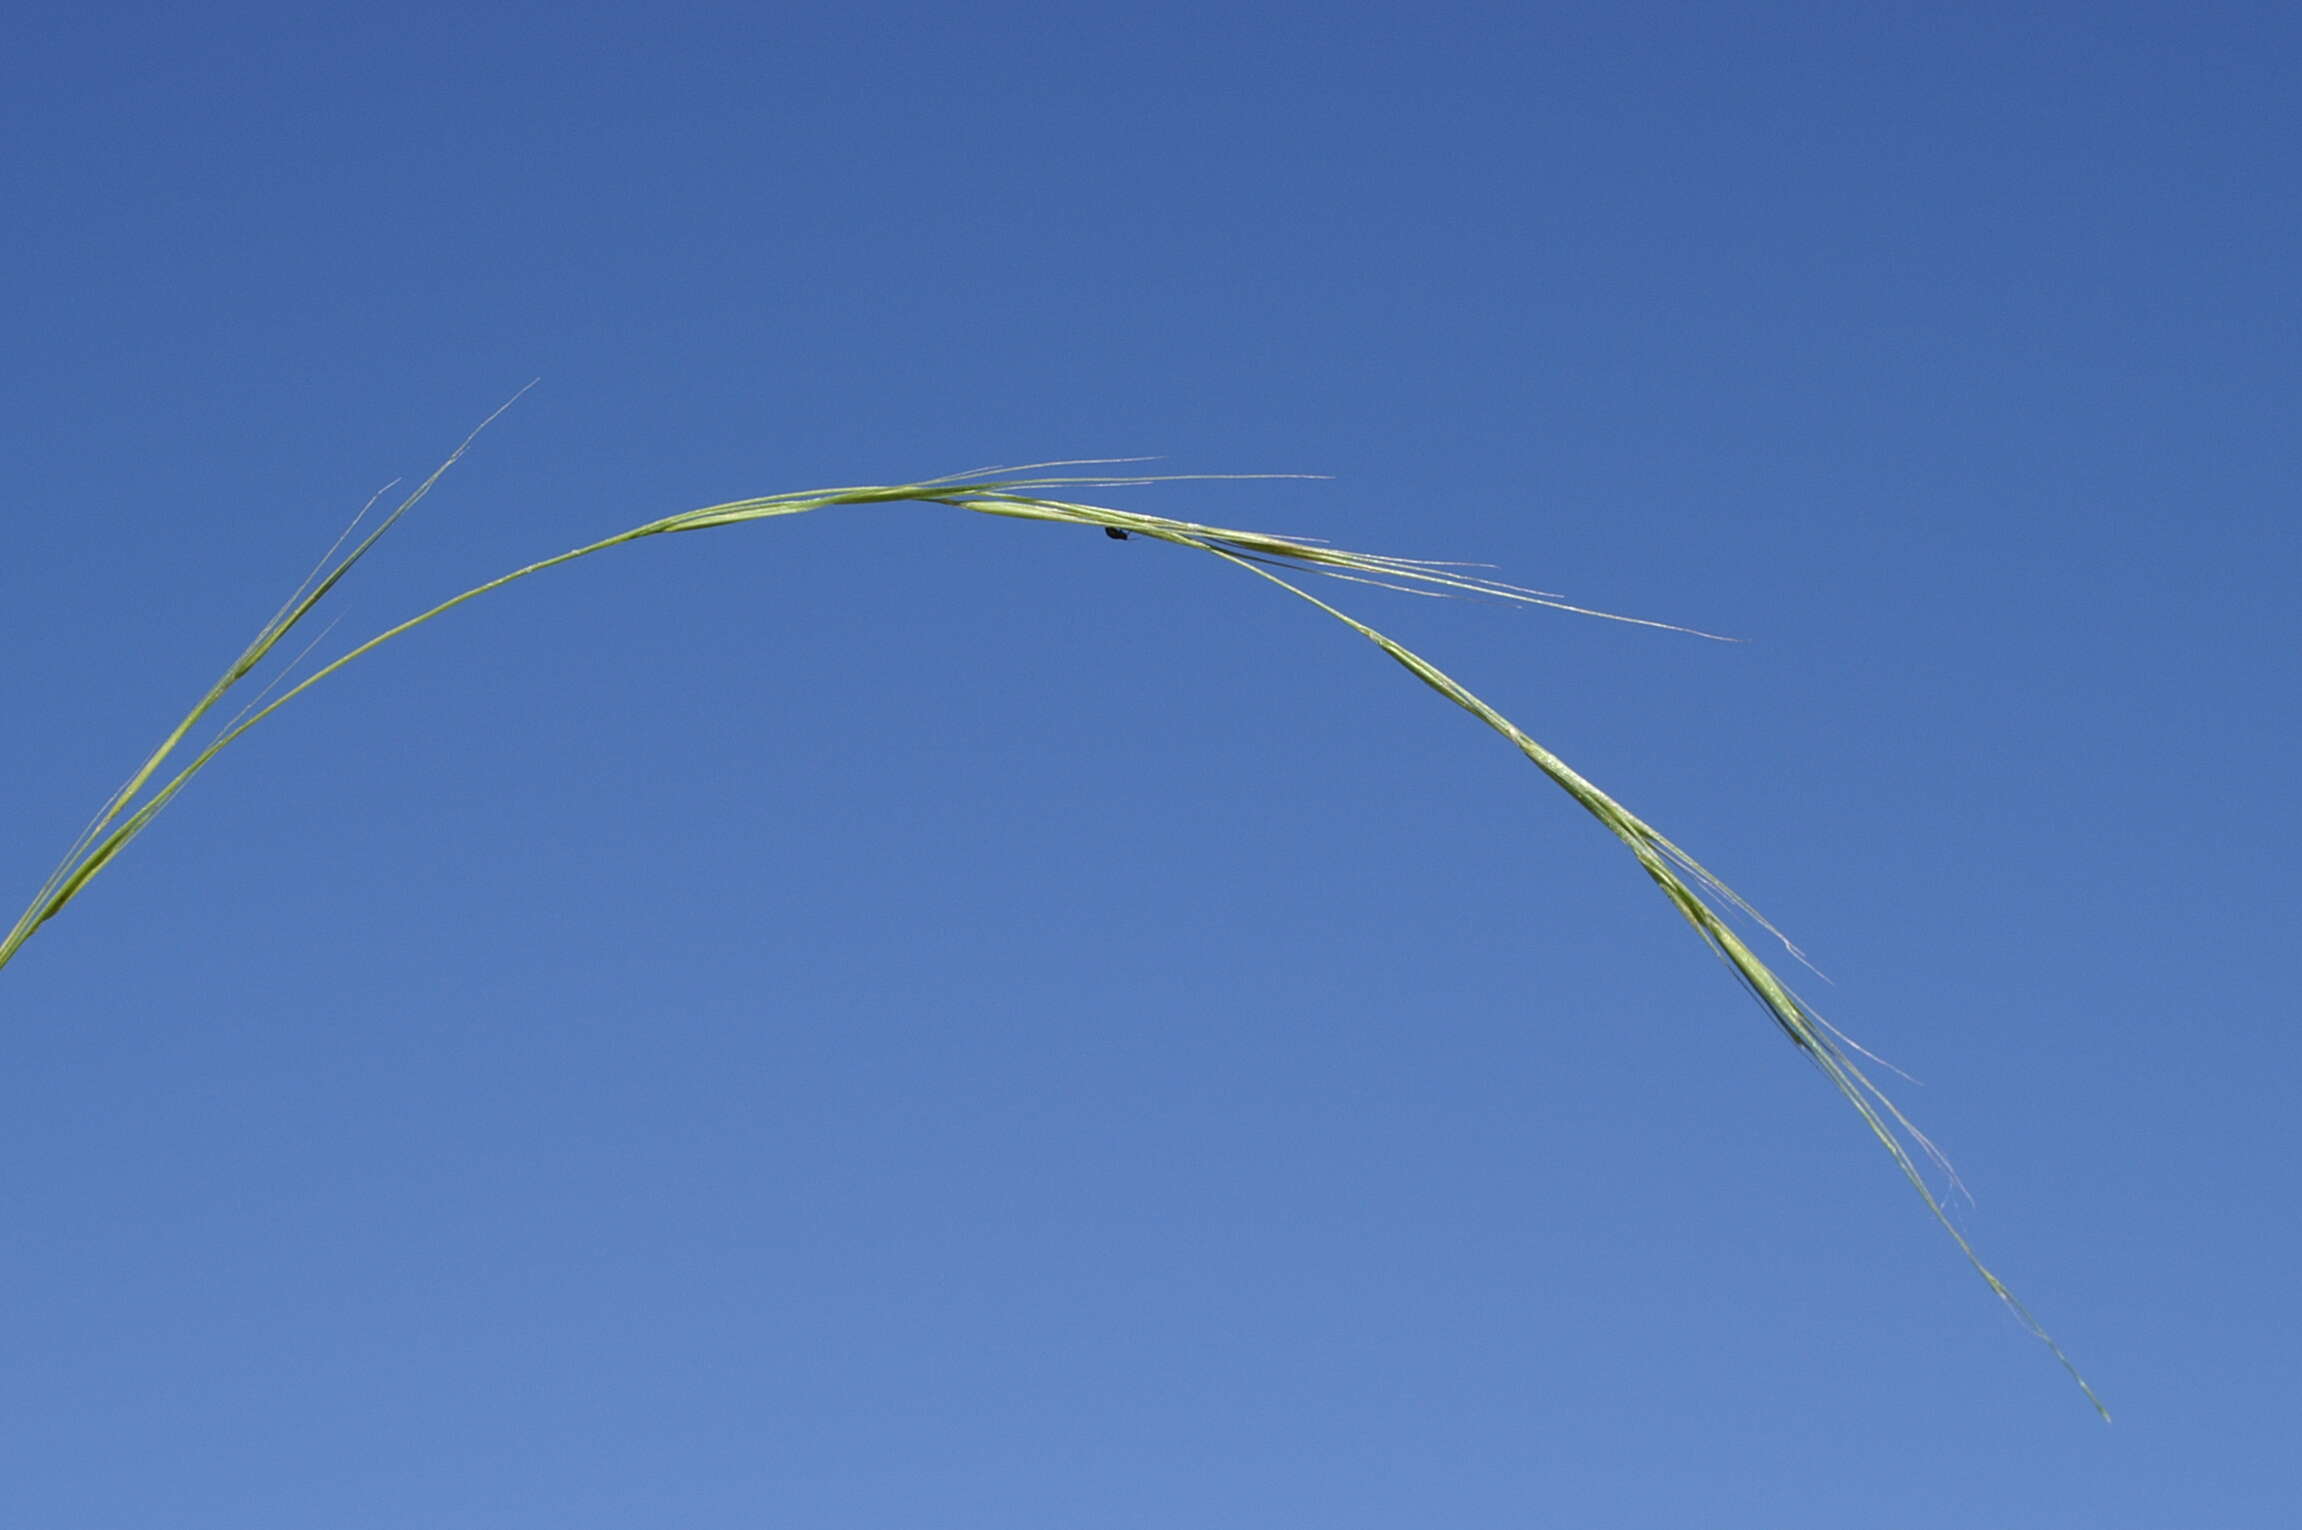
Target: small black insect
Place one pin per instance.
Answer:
(1115, 534)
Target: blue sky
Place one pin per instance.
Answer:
(889, 1018)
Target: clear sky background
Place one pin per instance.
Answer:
(901, 1019)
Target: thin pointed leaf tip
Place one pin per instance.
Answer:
(1031, 494)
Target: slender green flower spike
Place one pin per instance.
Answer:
(1699, 897)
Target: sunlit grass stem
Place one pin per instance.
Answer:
(1698, 896)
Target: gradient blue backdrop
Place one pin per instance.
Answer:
(894, 1019)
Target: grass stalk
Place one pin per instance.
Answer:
(1705, 902)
